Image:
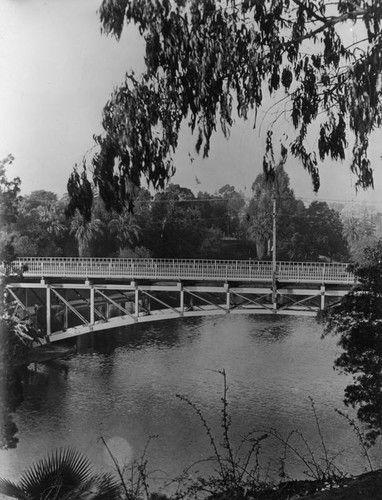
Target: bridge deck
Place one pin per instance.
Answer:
(67, 297)
(171, 269)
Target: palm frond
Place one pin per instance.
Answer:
(100, 487)
(59, 472)
(10, 489)
(66, 474)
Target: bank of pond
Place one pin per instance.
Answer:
(149, 380)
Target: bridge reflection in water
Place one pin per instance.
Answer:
(73, 296)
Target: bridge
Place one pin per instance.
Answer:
(68, 297)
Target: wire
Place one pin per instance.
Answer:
(243, 198)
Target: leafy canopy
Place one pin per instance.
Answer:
(207, 60)
(357, 320)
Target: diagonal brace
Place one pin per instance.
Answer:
(297, 302)
(19, 303)
(205, 300)
(118, 306)
(253, 301)
(69, 305)
(85, 299)
(161, 302)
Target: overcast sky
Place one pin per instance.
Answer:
(56, 73)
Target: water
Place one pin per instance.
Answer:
(122, 385)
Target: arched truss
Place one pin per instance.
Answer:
(69, 308)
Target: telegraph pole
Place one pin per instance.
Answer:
(274, 262)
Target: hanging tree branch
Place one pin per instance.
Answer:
(203, 56)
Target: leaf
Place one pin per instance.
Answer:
(10, 489)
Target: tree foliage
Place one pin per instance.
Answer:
(208, 61)
(361, 232)
(302, 233)
(9, 193)
(326, 232)
(40, 228)
(9, 206)
(357, 320)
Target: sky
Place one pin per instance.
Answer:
(57, 71)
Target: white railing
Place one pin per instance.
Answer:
(236, 270)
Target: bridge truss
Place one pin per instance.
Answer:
(73, 296)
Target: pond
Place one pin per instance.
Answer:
(123, 385)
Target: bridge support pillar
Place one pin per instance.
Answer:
(66, 317)
(92, 307)
(322, 305)
(48, 312)
(228, 297)
(136, 303)
(181, 296)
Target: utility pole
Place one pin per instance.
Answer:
(274, 262)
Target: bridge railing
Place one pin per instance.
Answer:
(238, 270)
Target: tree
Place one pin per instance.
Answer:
(234, 203)
(41, 225)
(39, 198)
(85, 233)
(260, 212)
(177, 226)
(360, 233)
(126, 229)
(326, 232)
(9, 194)
(207, 61)
(9, 207)
(357, 320)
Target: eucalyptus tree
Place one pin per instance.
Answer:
(326, 232)
(357, 321)
(9, 193)
(210, 62)
(360, 233)
(234, 204)
(260, 212)
(13, 349)
(177, 227)
(9, 208)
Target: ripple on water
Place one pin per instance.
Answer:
(122, 385)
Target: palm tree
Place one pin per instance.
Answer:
(50, 217)
(126, 229)
(65, 474)
(85, 232)
(260, 232)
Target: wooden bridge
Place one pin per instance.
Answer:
(68, 297)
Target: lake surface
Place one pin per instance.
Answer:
(122, 385)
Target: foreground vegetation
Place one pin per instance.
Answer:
(238, 473)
